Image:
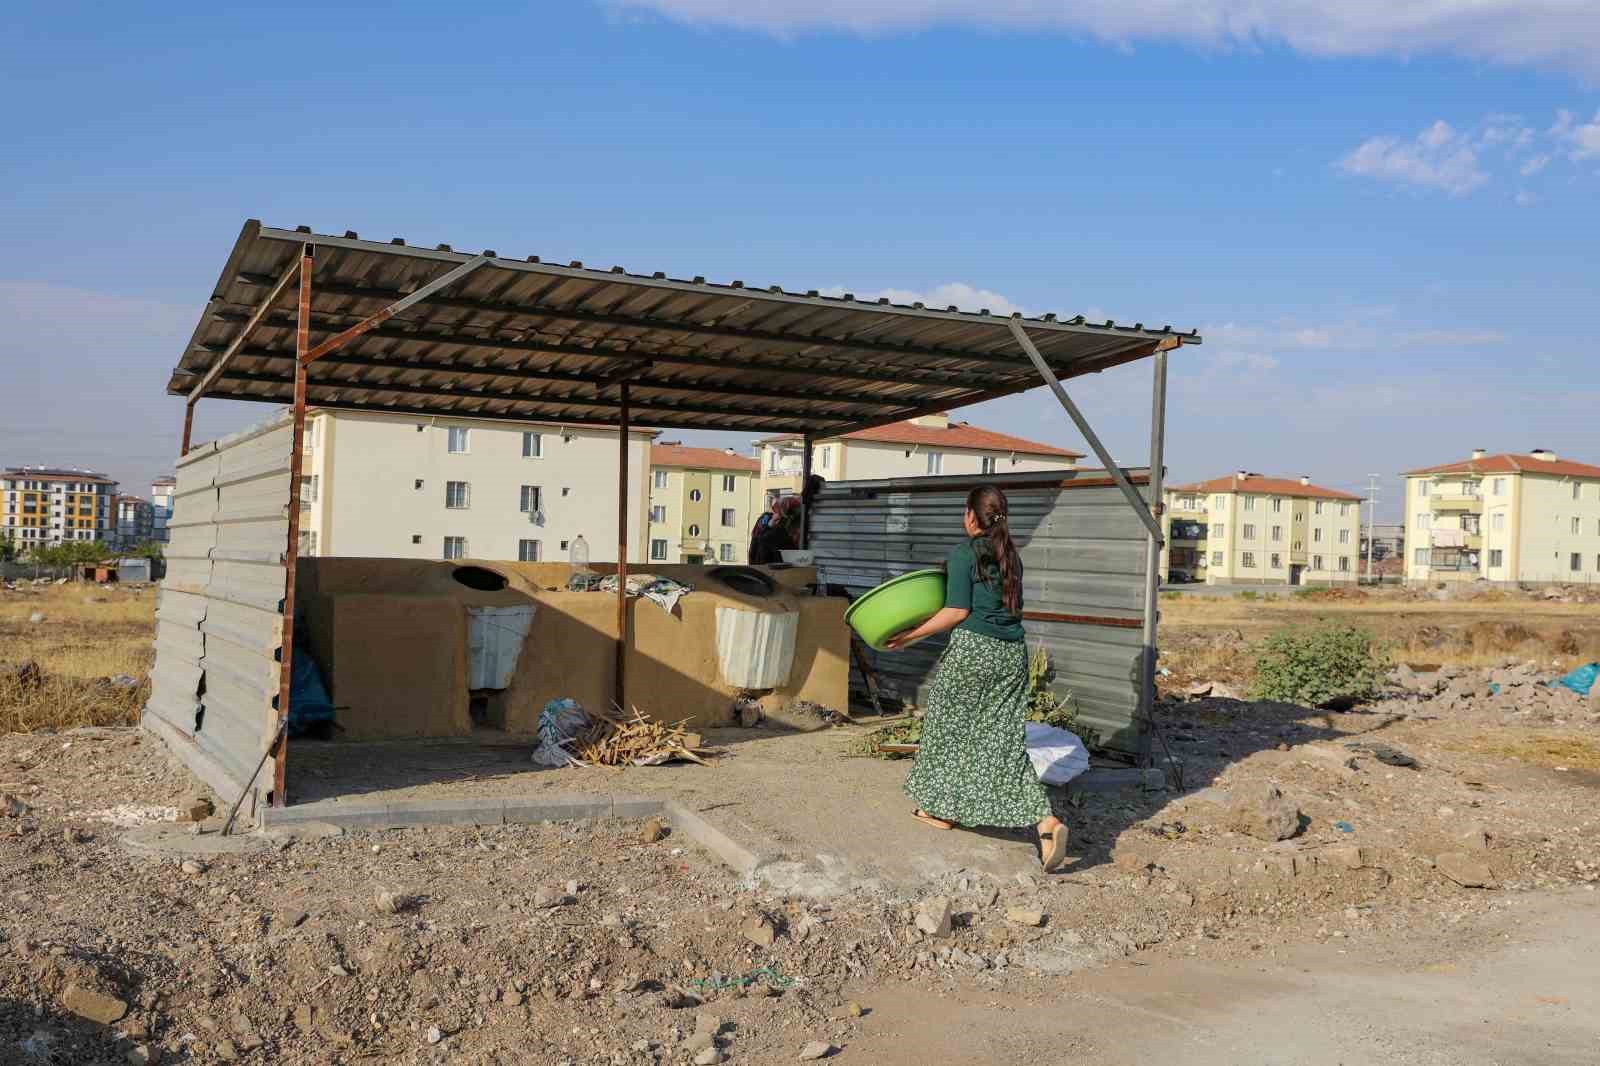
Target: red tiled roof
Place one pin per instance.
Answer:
(700, 459)
(1266, 486)
(958, 435)
(1512, 463)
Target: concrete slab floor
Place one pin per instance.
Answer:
(793, 808)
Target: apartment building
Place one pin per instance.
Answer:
(135, 522)
(402, 486)
(161, 491)
(1248, 529)
(46, 506)
(927, 446)
(1509, 517)
(703, 503)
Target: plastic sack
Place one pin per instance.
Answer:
(1582, 679)
(1057, 755)
(560, 723)
(309, 705)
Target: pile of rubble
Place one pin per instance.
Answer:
(1511, 689)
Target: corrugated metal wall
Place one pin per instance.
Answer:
(219, 618)
(1083, 553)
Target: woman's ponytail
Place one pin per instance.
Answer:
(991, 510)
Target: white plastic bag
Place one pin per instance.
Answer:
(1057, 755)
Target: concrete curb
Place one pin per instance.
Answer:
(515, 810)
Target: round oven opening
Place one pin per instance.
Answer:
(480, 577)
(745, 580)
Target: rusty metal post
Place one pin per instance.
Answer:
(188, 427)
(302, 343)
(805, 483)
(622, 558)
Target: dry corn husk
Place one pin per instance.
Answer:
(636, 741)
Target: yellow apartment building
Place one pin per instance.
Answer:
(703, 503)
(1249, 529)
(47, 506)
(1510, 517)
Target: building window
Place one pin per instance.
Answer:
(658, 551)
(1496, 558)
(456, 494)
(935, 463)
(1219, 529)
(1216, 558)
(729, 483)
(661, 479)
(1247, 560)
(1276, 561)
(1577, 561)
(1317, 507)
(694, 495)
(1218, 502)
(532, 446)
(1576, 487)
(986, 465)
(825, 457)
(1344, 564)
(1277, 534)
(658, 513)
(1498, 522)
(694, 531)
(773, 462)
(527, 551)
(458, 440)
(1316, 536)
(532, 499)
(726, 553)
(1249, 505)
(1344, 536)
(728, 516)
(1249, 530)
(455, 547)
(1498, 486)
(1316, 562)
(1422, 488)
(1422, 520)
(416, 538)
(1577, 526)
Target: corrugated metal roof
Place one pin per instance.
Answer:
(525, 339)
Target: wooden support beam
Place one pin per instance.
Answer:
(243, 335)
(280, 758)
(377, 318)
(622, 556)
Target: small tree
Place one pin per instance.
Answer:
(8, 547)
(1311, 666)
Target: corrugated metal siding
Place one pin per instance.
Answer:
(219, 619)
(1083, 554)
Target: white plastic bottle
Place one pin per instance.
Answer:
(578, 555)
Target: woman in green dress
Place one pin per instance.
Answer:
(971, 767)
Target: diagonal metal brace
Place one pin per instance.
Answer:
(1136, 501)
(339, 340)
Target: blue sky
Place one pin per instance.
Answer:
(1384, 223)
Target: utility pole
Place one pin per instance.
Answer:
(1372, 517)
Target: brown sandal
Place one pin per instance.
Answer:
(927, 819)
(1053, 848)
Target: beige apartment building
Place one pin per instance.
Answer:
(1510, 517)
(703, 503)
(406, 486)
(1248, 529)
(921, 447)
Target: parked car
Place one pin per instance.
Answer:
(1177, 575)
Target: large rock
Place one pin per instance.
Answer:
(95, 1006)
(1468, 871)
(933, 916)
(1263, 812)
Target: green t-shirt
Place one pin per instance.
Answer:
(984, 598)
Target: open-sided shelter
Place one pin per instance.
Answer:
(340, 322)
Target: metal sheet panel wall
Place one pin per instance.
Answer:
(1083, 555)
(219, 620)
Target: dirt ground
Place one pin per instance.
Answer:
(1445, 883)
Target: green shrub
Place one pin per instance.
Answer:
(1043, 704)
(1249, 595)
(1310, 666)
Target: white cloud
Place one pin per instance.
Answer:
(1524, 198)
(1534, 165)
(1580, 140)
(1439, 158)
(1542, 33)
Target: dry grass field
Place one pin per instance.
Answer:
(90, 635)
(1214, 639)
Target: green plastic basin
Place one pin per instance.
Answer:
(897, 605)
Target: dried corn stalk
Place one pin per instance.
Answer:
(636, 741)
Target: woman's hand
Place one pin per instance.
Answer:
(947, 619)
(901, 640)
